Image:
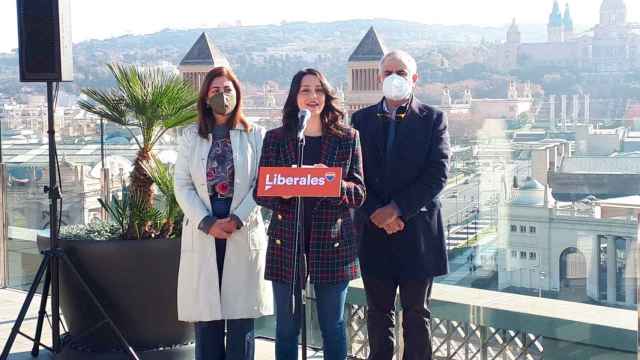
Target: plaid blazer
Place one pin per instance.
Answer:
(332, 246)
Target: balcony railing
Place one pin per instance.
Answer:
(474, 324)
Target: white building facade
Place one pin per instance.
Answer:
(568, 250)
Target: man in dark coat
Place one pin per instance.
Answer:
(405, 147)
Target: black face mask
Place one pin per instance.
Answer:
(222, 103)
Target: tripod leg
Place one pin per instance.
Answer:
(25, 307)
(123, 341)
(41, 314)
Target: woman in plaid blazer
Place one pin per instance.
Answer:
(330, 242)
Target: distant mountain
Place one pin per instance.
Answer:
(276, 52)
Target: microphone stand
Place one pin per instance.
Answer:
(299, 282)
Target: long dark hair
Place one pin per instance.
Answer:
(331, 115)
(205, 114)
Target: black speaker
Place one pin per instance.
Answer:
(44, 40)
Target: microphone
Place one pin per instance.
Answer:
(303, 119)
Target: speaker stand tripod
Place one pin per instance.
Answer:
(50, 268)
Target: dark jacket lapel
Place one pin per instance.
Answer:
(290, 149)
(327, 149)
(377, 132)
(408, 128)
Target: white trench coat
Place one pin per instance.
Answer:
(245, 293)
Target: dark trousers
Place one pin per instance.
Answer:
(210, 340)
(415, 296)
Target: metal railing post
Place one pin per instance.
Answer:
(484, 343)
(4, 233)
(105, 188)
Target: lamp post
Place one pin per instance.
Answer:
(457, 215)
(102, 141)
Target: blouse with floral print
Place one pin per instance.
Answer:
(220, 171)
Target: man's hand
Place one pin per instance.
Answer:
(385, 215)
(395, 226)
(222, 228)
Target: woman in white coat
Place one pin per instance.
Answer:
(221, 277)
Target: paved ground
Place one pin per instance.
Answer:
(11, 301)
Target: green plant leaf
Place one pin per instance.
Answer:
(150, 101)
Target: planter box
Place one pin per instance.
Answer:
(136, 283)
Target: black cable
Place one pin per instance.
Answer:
(53, 147)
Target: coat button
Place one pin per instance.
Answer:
(335, 245)
(278, 242)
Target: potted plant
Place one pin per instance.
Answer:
(131, 263)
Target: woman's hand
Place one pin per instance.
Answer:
(223, 228)
(229, 225)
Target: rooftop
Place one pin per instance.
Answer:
(203, 52)
(601, 165)
(370, 48)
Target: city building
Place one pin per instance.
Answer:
(613, 45)
(567, 250)
(202, 57)
(631, 143)
(564, 112)
(28, 205)
(469, 116)
(577, 178)
(599, 142)
(27, 123)
(363, 85)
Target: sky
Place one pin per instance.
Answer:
(99, 19)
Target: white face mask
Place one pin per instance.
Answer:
(396, 88)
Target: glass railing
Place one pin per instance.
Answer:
(540, 264)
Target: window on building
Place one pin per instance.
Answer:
(532, 229)
(514, 228)
(514, 254)
(602, 267)
(621, 260)
(523, 228)
(523, 254)
(532, 255)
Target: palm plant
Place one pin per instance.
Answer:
(151, 101)
(162, 176)
(132, 216)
